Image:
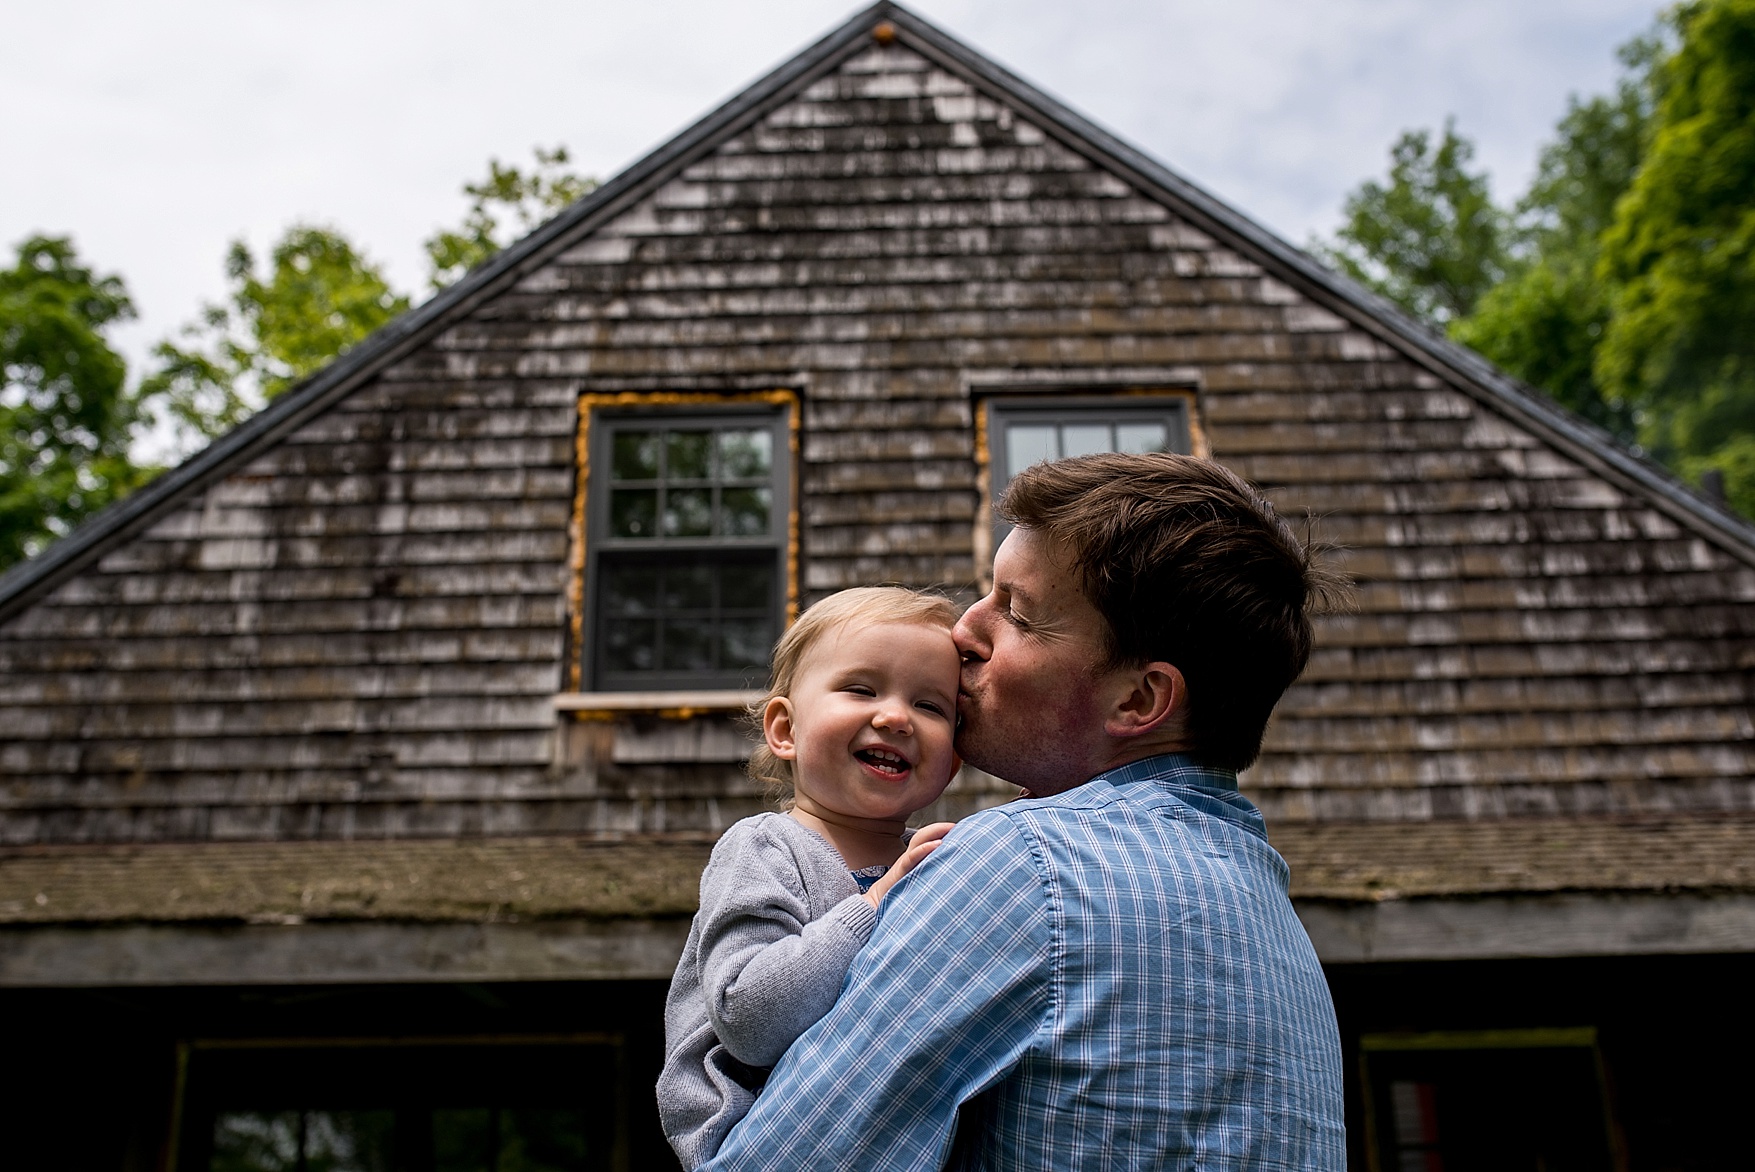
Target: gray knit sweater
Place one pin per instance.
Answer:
(780, 921)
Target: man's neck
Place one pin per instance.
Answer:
(1118, 753)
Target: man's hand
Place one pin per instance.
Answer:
(922, 844)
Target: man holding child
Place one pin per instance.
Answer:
(1107, 973)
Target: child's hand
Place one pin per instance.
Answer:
(921, 845)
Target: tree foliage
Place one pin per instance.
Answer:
(1679, 256)
(504, 206)
(1543, 323)
(66, 419)
(1625, 283)
(318, 297)
(1431, 239)
(69, 421)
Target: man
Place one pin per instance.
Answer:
(1109, 973)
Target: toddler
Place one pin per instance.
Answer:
(858, 720)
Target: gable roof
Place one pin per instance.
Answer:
(1462, 368)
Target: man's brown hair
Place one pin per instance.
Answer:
(1191, 566)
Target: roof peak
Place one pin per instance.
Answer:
(889, 23)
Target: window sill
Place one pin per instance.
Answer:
(670, 705)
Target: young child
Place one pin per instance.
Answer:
(858, 720)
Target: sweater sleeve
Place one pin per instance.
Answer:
(767, 970)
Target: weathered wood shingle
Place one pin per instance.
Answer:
(357, 631)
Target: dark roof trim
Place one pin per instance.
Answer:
(24, 583)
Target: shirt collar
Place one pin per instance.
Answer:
(1175, 768)
(1213, 791)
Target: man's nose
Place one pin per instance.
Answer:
(969, 635)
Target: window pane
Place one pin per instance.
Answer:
(688, 645)
(348, 1141)
(743, 512)
(630, 644)
(689, 453)
(333, 1141)
(700, 494)
(542, 1141)
(745, 453)
(437, 1107)
(630, 590)
(745, 643)
(633, 512)
(688, 588)
(256, 1141)
(747, 587)
(688, 512)
(634, 455)
(1141, 437)
(1027, 444)
(1535, 1107)
(1082, 439)
(463, 1140)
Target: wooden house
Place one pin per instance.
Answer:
(355, 776)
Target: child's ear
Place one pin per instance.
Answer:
(777, 728)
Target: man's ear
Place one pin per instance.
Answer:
(777, 728)
(1150, 698)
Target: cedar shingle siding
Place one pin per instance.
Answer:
(356, 627)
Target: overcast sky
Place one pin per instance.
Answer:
(154, 133)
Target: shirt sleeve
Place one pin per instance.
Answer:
(954, 988)
(767, 973)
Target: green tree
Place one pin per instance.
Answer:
(319, 296)
(1679, 257)
(66, 419)
(1543, 323)
(504, 206)
(1431, 239)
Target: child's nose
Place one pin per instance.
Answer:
(893, 716)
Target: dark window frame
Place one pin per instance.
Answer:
(661, 553)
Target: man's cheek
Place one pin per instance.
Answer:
(1059, 709)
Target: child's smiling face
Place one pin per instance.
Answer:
(869, 722)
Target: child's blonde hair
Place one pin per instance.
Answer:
(870, 605)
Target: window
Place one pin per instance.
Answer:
(1027, 432)
(1446, 1102)
(1022, 432)
(412, 1105)
(686, 569)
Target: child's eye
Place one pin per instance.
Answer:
(859, 689)
(931, 706)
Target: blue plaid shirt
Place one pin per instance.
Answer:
(1109, 978)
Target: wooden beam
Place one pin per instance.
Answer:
(1510, 927)
(339, 953)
